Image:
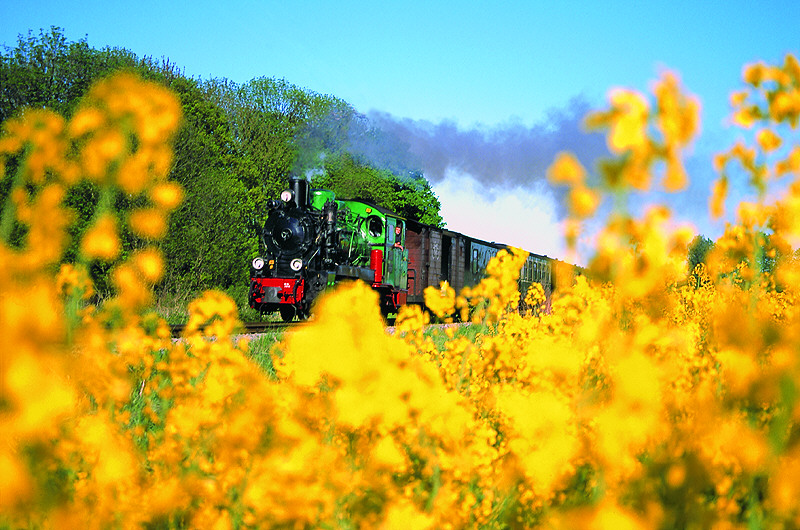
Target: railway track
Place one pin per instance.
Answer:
(247, 327)
(259, 327)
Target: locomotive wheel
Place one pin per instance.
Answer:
(287, 312)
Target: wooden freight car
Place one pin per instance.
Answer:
(437, 254)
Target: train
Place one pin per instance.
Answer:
(312, 240)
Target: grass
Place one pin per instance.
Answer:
(471, 332)
(262, 350)
(173, 306)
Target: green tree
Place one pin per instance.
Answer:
(48, 71)
(211, 233)
(234, 150)
(213, 245)
(410, 197)
(348, 178)
(698, 251)
(413, 198)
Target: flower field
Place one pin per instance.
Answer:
(650, 396)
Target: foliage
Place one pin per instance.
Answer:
(234, 148)
(213, 212)
(697, 253)
(414, 199)
(47, 71)
(639, 401)
(698, 250)
(410, 197)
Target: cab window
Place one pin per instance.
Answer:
(398, 234)
(375, 226)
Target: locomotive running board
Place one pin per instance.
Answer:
(360, 273)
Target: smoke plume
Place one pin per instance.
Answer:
(505, 156)
(509, 156)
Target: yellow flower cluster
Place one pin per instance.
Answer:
(770, 101)
(646, 396)
(646, 143)
(68, 368)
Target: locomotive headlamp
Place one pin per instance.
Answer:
(258, 264)
(287, 195)
(296, 264)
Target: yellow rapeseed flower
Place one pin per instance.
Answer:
(629, 121)
(148, 223)
(73, 279)
(754, 74)
(86, 120)
(678, 115)
(768, 140)
(440, 300)
(167, 195)
(719, 192)
(133, 175)
(637, 383)
(150, 264)
(566, 169)
(101, 240)
(582, 201)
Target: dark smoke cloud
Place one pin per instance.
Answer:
(513, 155)
(504, 156)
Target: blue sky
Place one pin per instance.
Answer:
(486, 68)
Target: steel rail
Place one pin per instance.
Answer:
(176, 330)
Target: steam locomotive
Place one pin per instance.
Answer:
(311, 241)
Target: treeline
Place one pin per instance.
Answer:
(764, 255)
(237, 145)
